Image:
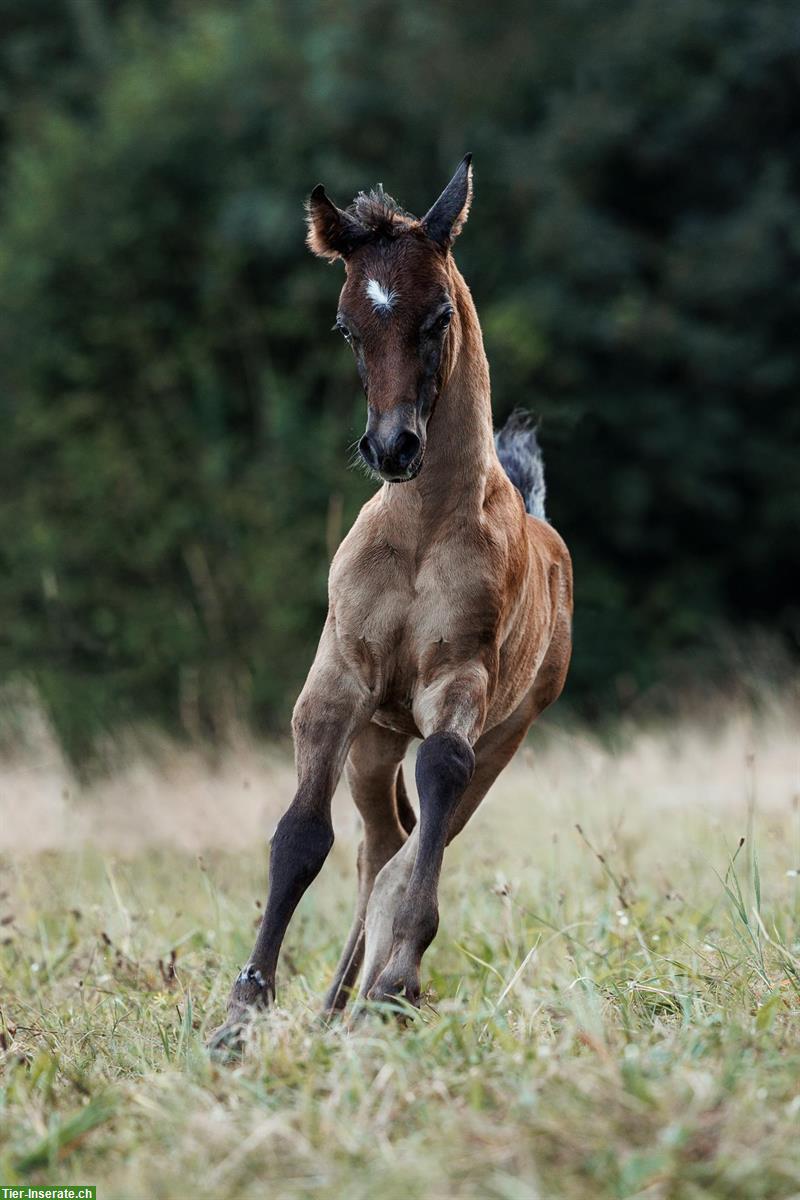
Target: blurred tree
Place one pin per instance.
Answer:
(176, 417)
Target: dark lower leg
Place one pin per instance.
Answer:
(300, 845)
(445, 764)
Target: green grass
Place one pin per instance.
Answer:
(612, 1012)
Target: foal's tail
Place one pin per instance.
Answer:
(521, 458)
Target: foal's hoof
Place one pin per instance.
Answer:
(249, 994)
(227, 1041)
(396, 993)
(335, 1002)
(250, 991)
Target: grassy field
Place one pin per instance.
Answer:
(613, 997)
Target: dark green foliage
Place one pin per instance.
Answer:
(176, 416)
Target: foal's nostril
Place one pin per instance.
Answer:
(368, 452)
(404, 449)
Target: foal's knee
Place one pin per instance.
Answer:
(301, 843)
(445, 763)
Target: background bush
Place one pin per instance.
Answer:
(176, 415)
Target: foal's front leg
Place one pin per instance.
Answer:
(332, 707)
(407, 889)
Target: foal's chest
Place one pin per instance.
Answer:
(400, 618)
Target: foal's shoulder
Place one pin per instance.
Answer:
(366, 546)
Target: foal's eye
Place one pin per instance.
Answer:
(442, 321)
(344, 331)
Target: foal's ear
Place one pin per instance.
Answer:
(444, 222)
(332, 233)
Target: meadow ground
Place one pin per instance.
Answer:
(613, 1001)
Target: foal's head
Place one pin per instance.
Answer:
(395, 310)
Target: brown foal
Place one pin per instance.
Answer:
(449, 605)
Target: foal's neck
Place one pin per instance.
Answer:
(460, 450)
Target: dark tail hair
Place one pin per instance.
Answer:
(521, 458)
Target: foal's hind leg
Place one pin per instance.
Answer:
(375, 778)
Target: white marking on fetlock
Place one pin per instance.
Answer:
(389, 889)
(251, 974)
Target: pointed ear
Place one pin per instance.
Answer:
(332, 233)
(444, 222)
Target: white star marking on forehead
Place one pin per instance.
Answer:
(382, 300)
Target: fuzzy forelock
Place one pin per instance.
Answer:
(373, 215)
(379, 213)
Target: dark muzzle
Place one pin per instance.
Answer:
(396, 457)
